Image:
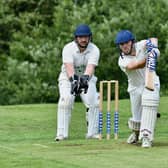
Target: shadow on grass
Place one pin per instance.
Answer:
(155, 144)
(160, 144)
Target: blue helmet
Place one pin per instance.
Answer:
(124, 36)
(82, 30)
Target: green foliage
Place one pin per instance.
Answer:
(33, 34)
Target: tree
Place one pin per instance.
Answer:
(33, 34)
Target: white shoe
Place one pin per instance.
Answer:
(133, 138)
(146, 143)
(95, 136)
(59, 138)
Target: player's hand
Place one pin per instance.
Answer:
(83, 84)
(74, 84)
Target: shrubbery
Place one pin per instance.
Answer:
(33, 34)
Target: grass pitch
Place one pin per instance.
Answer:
(27, 135)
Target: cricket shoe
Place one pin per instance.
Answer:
(95, 136)
(59, 138)
(146, 143)
(133, 138)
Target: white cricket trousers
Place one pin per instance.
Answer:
(65, 106)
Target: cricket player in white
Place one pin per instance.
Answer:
(144, 103)
(80, 57)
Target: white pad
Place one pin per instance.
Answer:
(64, 116)
(152, 98)
(148, 121)
(150, 103)
(93, 121)
(134, 125)
(136, 104)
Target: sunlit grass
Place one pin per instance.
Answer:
(27, 140)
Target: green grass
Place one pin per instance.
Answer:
(27, 140)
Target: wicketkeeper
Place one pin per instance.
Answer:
(134, 57)
(80, 57)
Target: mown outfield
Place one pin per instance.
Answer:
(27, 140)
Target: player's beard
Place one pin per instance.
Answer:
(83, 46)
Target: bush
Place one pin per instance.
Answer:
(33, 34)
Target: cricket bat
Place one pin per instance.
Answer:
(150, 73)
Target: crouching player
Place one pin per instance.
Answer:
(80, 57)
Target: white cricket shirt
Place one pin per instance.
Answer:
(71, 54)
(136, 78)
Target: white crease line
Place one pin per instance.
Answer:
(43, 146)
(53, 142)
(8, 148)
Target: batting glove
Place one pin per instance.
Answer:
(149, 45)
(152, 60)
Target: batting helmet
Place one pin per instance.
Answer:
(124, 36)
(82, 30)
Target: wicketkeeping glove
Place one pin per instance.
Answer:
(74, 84)
(83, 83)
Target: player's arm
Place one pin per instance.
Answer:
(90, 68)
(151, 47)
(73, 78)
(69, 69)
(136, 64)
(92, 62)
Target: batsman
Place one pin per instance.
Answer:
(138, 61)
(80, 57)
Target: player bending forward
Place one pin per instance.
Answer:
(134, 57)
(80, 57)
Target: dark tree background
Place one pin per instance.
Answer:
(33, 33)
